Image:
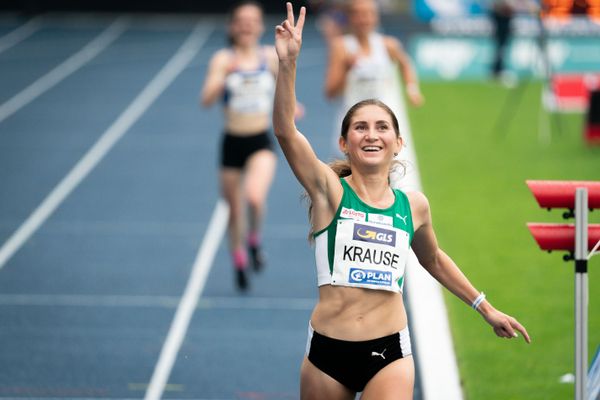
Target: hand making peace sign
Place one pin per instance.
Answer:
(288, 38)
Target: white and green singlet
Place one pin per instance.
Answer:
(364, 246)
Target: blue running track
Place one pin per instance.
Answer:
(88, 295)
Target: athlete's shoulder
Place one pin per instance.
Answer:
(392, 44)
(419, 208)
(340, 43)
(224, 61)
(222, 58)
(418, 201)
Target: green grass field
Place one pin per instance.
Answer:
(475, 177)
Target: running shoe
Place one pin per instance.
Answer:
(241, 279)
(257, 258)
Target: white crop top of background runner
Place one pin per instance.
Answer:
(372, 76)
(250, 91)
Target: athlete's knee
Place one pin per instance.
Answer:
(235, 212)
(255, 200)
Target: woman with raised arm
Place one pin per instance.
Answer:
(362, 228)
(243, 76)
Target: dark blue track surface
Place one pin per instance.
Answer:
(87, 301)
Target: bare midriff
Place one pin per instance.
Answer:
(357, 314)
(246, 124)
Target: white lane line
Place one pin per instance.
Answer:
(19, 34)
(88, 162)
(64, 69)
(189, 301)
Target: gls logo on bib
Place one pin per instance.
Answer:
(374, 234)
(369, 276)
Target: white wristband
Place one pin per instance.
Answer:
(478, 301)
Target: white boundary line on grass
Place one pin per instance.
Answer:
(19, 34)
(64, 69)
(112, 135)
(438, 369)
(189, 301)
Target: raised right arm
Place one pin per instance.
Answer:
(313, 174)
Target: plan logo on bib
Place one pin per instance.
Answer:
(369, 276)
(374, 234)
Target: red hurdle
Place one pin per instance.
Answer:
(578, 239)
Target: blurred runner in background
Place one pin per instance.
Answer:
(364, 64)
(242, 76)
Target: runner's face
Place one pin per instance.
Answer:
(246, 25)
(363, 16)
(371, 138)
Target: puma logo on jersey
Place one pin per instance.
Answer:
(402, 218)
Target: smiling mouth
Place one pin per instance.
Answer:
(371, 149)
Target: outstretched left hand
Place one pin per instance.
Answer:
(504, 325)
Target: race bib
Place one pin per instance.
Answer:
(369, 255)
